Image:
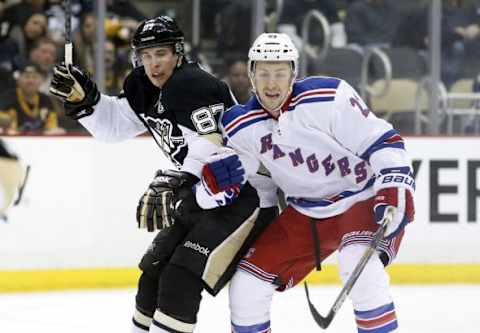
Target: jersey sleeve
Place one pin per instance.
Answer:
(257, 174)
(351, 123)
(242, 143)
(113, 120)
(200, 147)
(373, 139)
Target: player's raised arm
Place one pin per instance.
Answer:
(107, 118)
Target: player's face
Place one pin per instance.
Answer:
(159, 63)
(272, 81)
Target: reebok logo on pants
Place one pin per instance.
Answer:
(197, 247)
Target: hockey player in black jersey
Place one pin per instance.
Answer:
(205, 225)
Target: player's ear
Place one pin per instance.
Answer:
(179, 60)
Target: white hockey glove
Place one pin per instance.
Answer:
(394, 187)
(157, 206)
(222, 178)
(78, 92)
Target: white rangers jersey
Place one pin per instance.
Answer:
(323, 151)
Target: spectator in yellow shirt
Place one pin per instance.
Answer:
(26, 110)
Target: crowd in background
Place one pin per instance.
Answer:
(32, 40)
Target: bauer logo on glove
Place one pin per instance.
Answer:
(394, 188)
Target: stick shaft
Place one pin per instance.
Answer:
(324, 322)
(68, 32)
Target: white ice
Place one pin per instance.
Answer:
(420, 309)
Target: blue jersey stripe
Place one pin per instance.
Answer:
(231, 114)
(380, 144)
(312, 83)
(308, 203)
(312, 100)
(245, 124)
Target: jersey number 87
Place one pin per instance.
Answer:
(204, 118)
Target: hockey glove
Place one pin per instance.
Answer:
(222, 178)
(78, 92)
(394, 187)
(156, 208)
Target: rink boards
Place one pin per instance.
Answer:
(75, 227)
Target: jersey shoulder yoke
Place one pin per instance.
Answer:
(240, 117)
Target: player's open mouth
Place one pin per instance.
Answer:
(272, 95)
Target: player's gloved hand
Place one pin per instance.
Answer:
(222, 178)
(78, 92)
(156, 208)
(223, 171)
(394, 188)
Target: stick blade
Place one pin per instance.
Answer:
(323, 322)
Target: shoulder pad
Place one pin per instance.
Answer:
(138, 90)
(189, 89)
(314, 89)
(315, 82)
(240, 116)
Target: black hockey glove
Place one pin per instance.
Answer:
(160, 205)
(78, 92)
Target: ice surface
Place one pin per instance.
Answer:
(420, 309)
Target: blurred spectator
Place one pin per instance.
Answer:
(460, 37)
(234, 28)
(120, 31)
(123, 19)
(460, 30)
(234, 24)
(44, 53)
(25, 109)
(238, 80)
(84, 42)
(32, 29)
(293, 14)
(56, 17)
(114, 70)
(412, 29)
(6, 79)
(473, 127)
(16, 14)
(5, 23)
(124, 9)
(209, 15)
(9, 53)
(371, 22)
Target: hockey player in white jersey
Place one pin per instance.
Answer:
(339, 166)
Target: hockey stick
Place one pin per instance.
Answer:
(22, 187)
(68, 33)
(324, 322)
